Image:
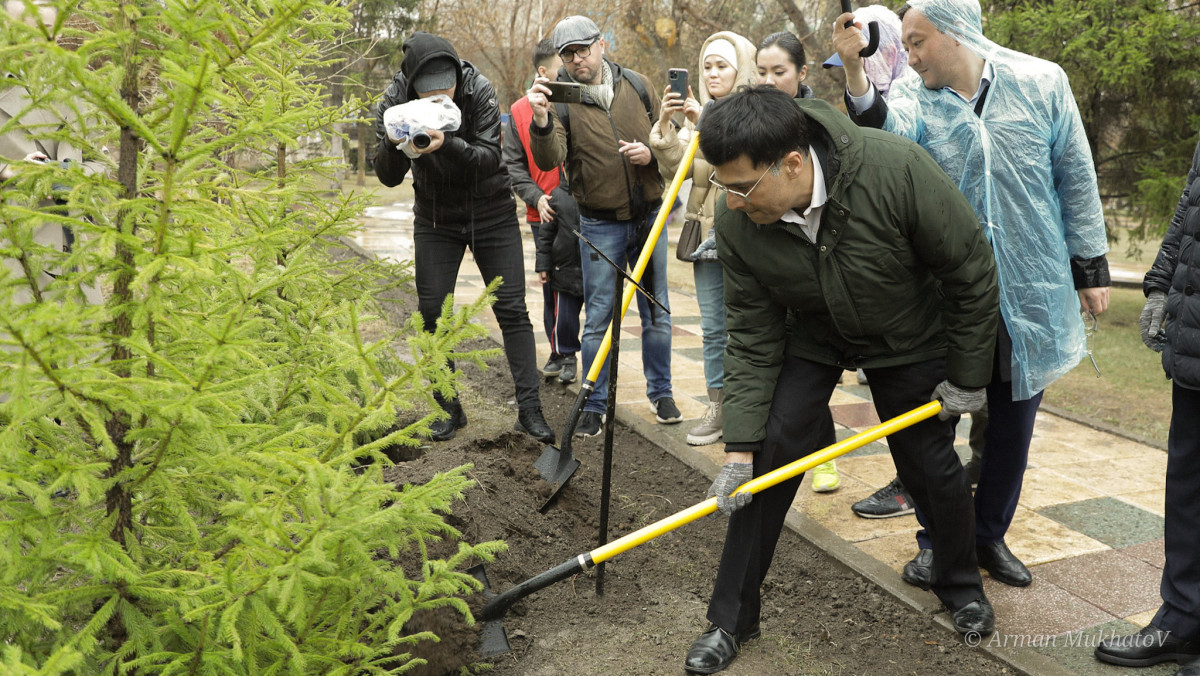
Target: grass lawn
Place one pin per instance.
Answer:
(1132, 393)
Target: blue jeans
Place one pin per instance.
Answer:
(618, 241)
(710, 296)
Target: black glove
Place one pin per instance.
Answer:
(733, 474)
(957, 400)
(1151, 320)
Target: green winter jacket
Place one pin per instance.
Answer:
(900, 273)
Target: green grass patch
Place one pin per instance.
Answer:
(1132, 393)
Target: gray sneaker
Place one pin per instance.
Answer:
(709, 429)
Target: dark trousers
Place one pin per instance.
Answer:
(1002, 472)
(799, 423)
(498, 253)
(1180, 611)
(560, 316)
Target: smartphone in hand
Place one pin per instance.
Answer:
(564, 92)
(677, 78)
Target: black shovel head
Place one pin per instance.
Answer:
(493, 640)
(556, 467)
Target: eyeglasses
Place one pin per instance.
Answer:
(712, 178)
(1091, 326)
(568, 55)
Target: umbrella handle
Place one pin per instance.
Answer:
(872, 32)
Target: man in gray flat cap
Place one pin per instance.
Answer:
(603, 142)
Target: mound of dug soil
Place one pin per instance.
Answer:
(818, 617)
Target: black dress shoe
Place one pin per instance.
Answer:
(444, 430)
(532, 422)
(1003, 566)
(716, 648)
(1149, 646)
(1190, 669)
(976, 616)
(919, 571)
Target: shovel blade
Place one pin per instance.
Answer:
(493, 640)
(556, 467)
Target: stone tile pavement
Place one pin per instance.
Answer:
(1089, 523)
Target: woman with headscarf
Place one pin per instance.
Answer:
(726, 63)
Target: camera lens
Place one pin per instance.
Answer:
(421, 140)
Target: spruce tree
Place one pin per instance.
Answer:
(190, 472)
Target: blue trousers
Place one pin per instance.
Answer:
(618, 240)
(710, 296)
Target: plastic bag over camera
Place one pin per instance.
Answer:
(1025, 165)
(409, 120)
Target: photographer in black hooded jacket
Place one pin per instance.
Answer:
(463, 199)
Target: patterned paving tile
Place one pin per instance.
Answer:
(1109, 477)
(1152, 501)
(855, 415)
(1114, 581)
(873, 470)
(1151, 552)
(1142, 619)
(1043, 488)
(696, 353)
(1115, 523)
(832, 510)
(1042, 609)
(1036, 539)
(896, 549)
(841, 396)
(873, 448)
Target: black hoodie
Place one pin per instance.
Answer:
(463, 184)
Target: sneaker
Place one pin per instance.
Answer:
(665, 411)
(553, 367)
(891, 500)
(589, 424)
(567, 374)
(709, 429)
(532, 422)
(825, 478)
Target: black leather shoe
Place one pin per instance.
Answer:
(1190, 669)
(1149, 646)
(716, 648)
(975, 617)
(919, 571)
(1003, 566)
(532, 422)
(444, 430)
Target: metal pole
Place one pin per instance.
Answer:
(611, 420)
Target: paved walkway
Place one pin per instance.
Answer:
(1089, 523)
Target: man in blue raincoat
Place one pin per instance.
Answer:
(1005, 127)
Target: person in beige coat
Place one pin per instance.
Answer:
(726, 63)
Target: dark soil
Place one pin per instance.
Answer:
(818, 616)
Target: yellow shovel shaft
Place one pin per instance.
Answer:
(644, 259)
(788, 471)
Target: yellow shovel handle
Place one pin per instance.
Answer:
(647, 250)
(788, 471)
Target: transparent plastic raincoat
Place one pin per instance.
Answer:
(1025, 165)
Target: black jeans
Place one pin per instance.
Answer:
(1180, 611)
(799, 424)
(498, 253)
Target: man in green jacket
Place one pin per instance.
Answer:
(843, 248)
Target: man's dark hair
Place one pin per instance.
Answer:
(903, 10)
(762, 123)
(789, 43)
(544, 53)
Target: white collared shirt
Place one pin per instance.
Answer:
(810, 220)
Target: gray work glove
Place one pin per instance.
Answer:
(958, 400)
(1151, 320)
(733, 474)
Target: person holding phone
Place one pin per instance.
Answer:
(463, 199)
(603, 142)
(726, 63)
